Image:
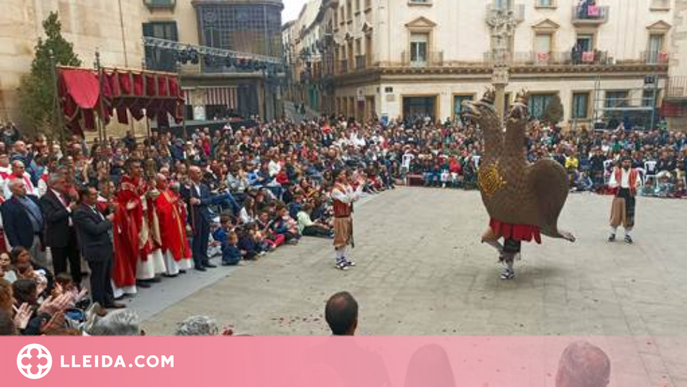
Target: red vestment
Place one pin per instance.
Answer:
(127, 226)
(172, 218)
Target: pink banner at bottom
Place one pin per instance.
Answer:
(344, 362)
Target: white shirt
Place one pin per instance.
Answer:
(60, 197)
(30, 189)
(624, 180)
(274, 168)
(347, 195)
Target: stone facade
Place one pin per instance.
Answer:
(111, 26)
(390, 51)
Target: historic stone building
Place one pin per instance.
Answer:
(116, 29)
(395, 58)
(216, 88)
(113, 27)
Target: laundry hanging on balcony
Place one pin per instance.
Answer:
(139, 93)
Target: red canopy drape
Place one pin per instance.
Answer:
(158, 94)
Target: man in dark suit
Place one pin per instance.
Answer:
(60, 235)
(23, 221)
(198, 197)
(93, 230)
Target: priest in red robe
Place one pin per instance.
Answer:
(134, 259)
(171, 215)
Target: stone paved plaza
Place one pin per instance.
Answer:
(422, 271)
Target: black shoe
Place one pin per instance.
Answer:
(628, 239)
(200, 268)
(182, 271)
(170, 275)
(142, 285)
(154, 280)
(611, 238)
(209, 265)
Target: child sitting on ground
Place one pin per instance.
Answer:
(247, 245)
(286, 225)
(231, 255)
(226, 223)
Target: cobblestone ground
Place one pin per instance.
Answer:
(422, 271)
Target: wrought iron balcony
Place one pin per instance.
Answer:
(343, 66)
(360, 62)
(655, 57)
(676, 88)
(433, 58)
(589, 15)
(557, 58)
(160, 3)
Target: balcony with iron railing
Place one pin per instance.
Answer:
(432, 59)
(655, 57)
(160, 3)
(360, 62)
(496, 11)
(676, 88)
(557, 58)
(585, 15)
(343, 66)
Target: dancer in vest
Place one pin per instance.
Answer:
(343, 197)
(624, 181)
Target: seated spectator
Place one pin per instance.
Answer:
(307, 227)
(664, 186)
(295, 206)
(583, 365)
(28, 269)
(584, 182)
(285, 225)
(341, 314)
(231, 255)
(7, 325)
(266, 232)
(247, 244)
(7, 271)
(226, 226)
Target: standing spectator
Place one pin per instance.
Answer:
(60, 235)
(19, 172)
(198, 197)
(94, 231)
(23, 221)
(5, 172)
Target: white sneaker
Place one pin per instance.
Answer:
(343, 265)
(507, 274)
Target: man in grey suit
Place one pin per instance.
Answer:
(93, 231)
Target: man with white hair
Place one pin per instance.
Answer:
(60, 234)
(23, 221)
(19, 172)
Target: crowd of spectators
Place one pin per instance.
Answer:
(273, 181)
